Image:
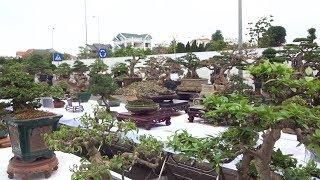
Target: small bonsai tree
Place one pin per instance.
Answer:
(79, 67)
(103, 85)
(255, 127)
(63, 71)
(39, 64)
(120, 70)
(98, 67)
(191, 62)
(80, 83)
(18, 85)
(101, 130)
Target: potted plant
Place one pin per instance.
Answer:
(100, 130)
(57, 94)
(191, 81)
(254, 127)
(63, 72)
(27, 124)
(79, 88)
(146, 90)
(265, 70)
(137, 55)
(119, 71)
(142, 106)
(103, 85)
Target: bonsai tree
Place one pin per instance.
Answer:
(304, 53)
(120, 70)
(80, 83)
(191, 62)
(222, 63)
(160, 68)
(101, 130)
(98, 67)
(18, 85)
(103, 85)
(40, 65)
(255, 127)
(63, 71)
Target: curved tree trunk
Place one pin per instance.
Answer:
(244, 169)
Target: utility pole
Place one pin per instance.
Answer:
(85, 20)
(240, 33)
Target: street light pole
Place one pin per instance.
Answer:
(52, 37)
(85, 20)
(240, 72)
(98, 18)
(240, 25)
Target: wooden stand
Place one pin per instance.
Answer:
(174, 106)
(23, 169)
(195, 112)
(146, 120)
(5, 142)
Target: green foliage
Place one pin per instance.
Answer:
(275, 36)
(144, 89)
(217, 36)
(258, 30)
(194, 47)
(149, 147)
(119, 70)
(38, 63)
(201, 47)
(18, 85)
(265, 71)
(180, 48)
(188, 47)
(191, 62)
(97, 67)
(85, 53)
(79, 67)
(63, 71)
(103, 85)
(302, 173)
(129, 51)
(218, 45)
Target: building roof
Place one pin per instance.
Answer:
(97, 46)
(131, 35)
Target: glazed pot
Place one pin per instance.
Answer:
(84, 96)
(142, 108)
(163, 97)
(3, 133)
(26, 137)
(191, 85)
(129, 80)
(58, 103)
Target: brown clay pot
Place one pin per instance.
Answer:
(129, 80)
(191, 85)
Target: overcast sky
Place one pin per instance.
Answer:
(28, 24)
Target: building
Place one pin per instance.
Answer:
(94, 48)
(142, 41)
(24, 54)
(202, 40)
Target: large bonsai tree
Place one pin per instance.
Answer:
(18, 85)
(101, 130)
(63, 71)
(255, 127)
(103, 85)
(303, 53)
(191, 62)
(98, 67)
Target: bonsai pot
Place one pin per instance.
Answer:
(141, 107)
(83, 96)
(191, 85)
(57, 103)
(207, 89)
(129, 80)
(26, 137)
(3, 133)
(162, 97)
(112, 103)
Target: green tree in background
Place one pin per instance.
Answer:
(275, 36)
(194, 46)
(188, 47)
(217, 36)
(180, 48)
(201, 47)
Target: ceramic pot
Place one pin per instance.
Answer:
(191, 85)
(26, 137)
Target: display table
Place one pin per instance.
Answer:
(146, 120)
(195, 111)
(174, 106)
(66, 161)
(287, 143)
